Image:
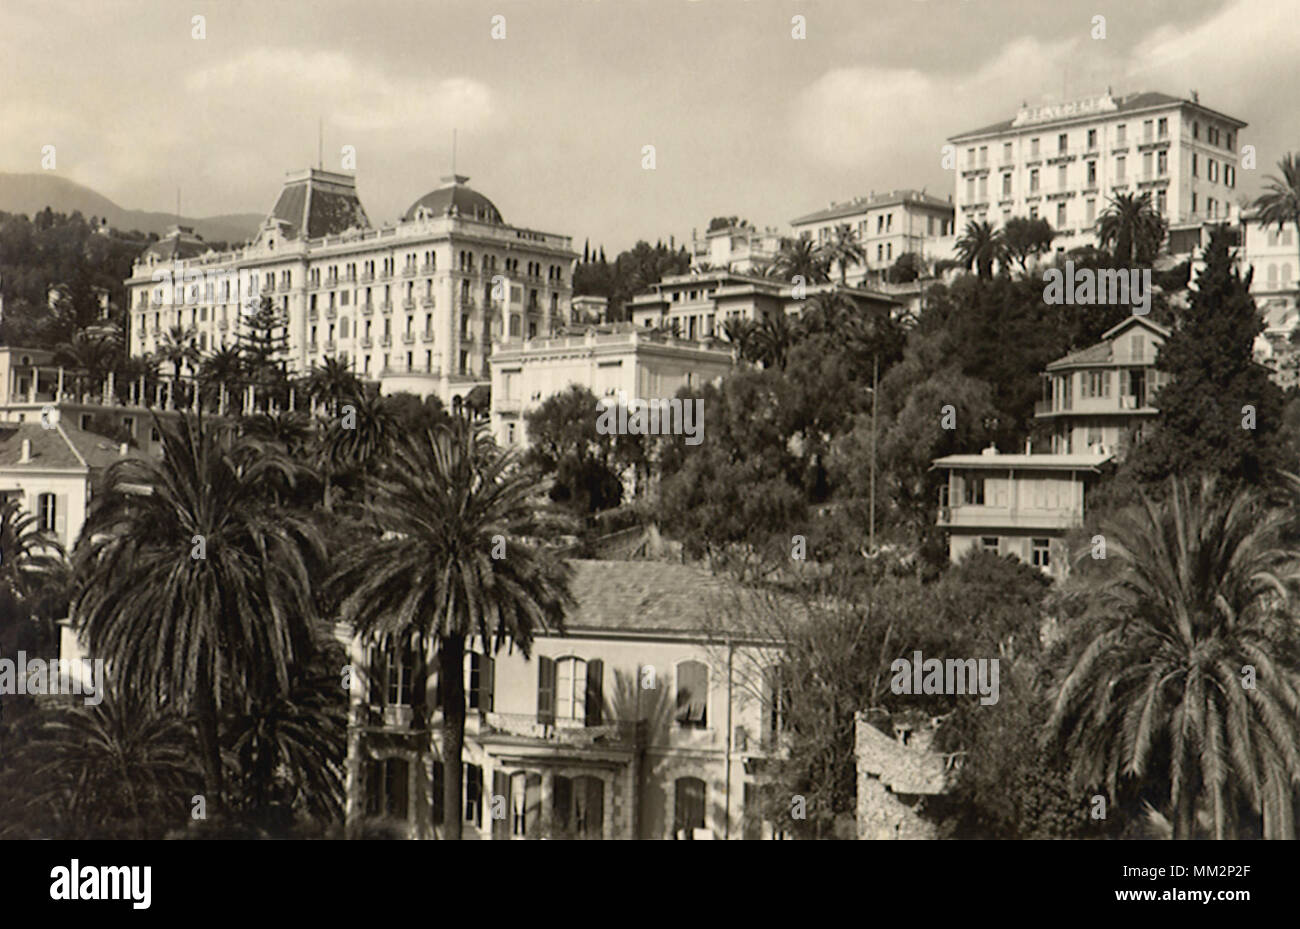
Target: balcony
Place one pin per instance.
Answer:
(331, 312)
(1042, 407)
(508, 405)
(400, 368)
(311, 348)
(408, 303)
(428, 268)
(365, 341)
(386, 306)
(313, 314)
(313, 285)
(427, 300)
(385, 341)
(367, 277)
(269, 287)
(570, 732)
(427, 335)
(408, 338)
(467, 337)
(367, 309)
(330, 346)
(410, 271)
(384, 276)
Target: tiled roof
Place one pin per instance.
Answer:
(876, 201)
(1127, 103)
(653, 596)
(1101, 353)
(64, 446)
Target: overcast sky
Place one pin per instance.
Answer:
(552, 120)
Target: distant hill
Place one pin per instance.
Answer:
(31, 193)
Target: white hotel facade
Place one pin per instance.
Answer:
(1063, 163)
(417, 305)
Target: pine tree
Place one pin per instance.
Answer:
(1220, 412)
(263, 344)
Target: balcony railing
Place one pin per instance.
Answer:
(367, 309)
(427, 268)
(386, 341)
(408, 303)
(410, 271)
(313, 314)
(386, 306)
(427, 335)
(331, 312)
(367, 276)
(365, 341)
(313, 285)
(385, 275)
(408, 338)
(330, 346)
(563, 731)
(426, 300)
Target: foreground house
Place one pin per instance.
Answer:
(1099, 400)
(1021, 505)
(650, 717)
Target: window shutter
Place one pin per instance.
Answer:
(61, 519)
(545, 691)
(438, 788)
(486, 676)
(595, 692)
(500, 789)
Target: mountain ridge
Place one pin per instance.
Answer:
(31, 193)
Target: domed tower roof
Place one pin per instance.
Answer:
(179, 242)
(454, 198)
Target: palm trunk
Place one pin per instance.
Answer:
(205, 718)
(1184, 815)
(451, 654)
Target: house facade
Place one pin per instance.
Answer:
(887, 225)
(1099, 400)
(645, 719)
(607, 360)
(1021, 505)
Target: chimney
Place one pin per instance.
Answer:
(991, 450)
(26, 452)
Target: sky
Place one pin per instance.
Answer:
(552, 119)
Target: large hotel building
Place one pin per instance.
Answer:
(416, 306)
(1063, 163)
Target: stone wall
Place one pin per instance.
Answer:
(895, 775)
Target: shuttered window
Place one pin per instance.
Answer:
(545, 690)
(692, 694)
(579, 807)
(691, 795)
(479, 683)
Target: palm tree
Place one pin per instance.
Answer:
(33, 582)
(980, 246)
(93, 355)
(447, 499)
(1192, 593)
(177, 348)
(113, 770)
(800, 258)
(332, 384)
(774, 338)
(1133, 227)
(348, 445)
(845, 249)
(289, 746)
(203, 581)
(1280, 202)
(222, 368)
(741, 333)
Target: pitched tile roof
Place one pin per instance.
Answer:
(653, 596)
(876, 201)
(64, 446)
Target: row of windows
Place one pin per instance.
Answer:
(568, 688)
(1152, 130)
(1040, 550)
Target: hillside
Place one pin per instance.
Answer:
(31, 193)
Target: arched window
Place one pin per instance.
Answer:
(693, 694)
(689, 810)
